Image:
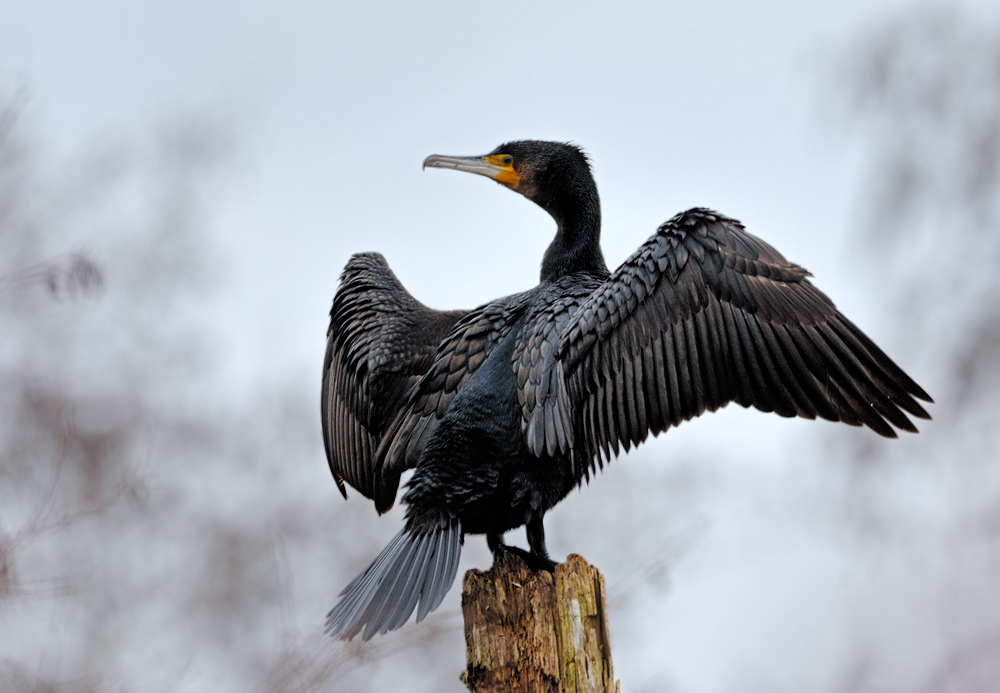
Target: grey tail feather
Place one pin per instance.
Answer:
(419, 564)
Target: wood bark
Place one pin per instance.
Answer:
(537, 631)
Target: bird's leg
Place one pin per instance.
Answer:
(497, 547)
(540, 560)
(531, 558)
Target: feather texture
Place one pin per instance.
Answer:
(501, 410)
(380, 342)
(418, 566)
(721, 317)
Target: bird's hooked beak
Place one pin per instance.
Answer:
(490, 166)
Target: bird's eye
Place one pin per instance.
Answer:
(507, 160)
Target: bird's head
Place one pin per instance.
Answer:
(553, 175)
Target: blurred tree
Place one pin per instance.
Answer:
(925, 89)
(148, 510)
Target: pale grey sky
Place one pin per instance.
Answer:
(334, 106)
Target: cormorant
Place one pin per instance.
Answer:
(502, 410)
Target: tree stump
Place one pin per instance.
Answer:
(528, 631)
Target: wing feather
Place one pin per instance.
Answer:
(704, 314)
(380, 342)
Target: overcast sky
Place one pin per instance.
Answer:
(333, 106)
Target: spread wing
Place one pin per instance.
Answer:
(704, 314)
(380, 342)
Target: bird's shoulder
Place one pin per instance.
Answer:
(553, 305)
(465, 349)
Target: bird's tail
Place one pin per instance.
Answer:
(418, 564)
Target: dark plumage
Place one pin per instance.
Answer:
(504, 409)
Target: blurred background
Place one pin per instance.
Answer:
(181, 183)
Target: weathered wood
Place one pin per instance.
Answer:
(528, 631)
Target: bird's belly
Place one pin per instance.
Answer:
(524, 487)
(485, 475)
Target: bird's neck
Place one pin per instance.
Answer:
(577, 245)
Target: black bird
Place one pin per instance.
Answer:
(504, 409)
